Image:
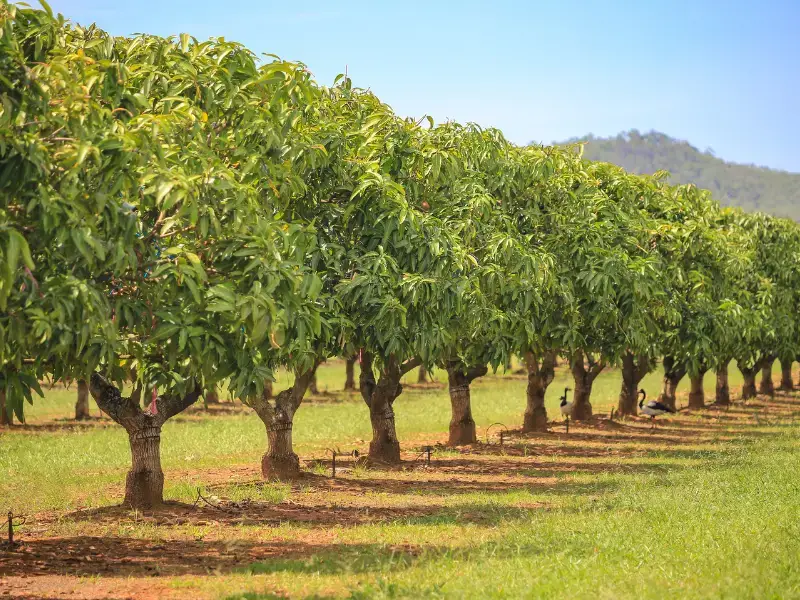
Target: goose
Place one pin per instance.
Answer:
(566, 407)
(653, 408)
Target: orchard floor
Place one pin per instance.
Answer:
(707, 505)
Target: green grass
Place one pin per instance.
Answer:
(579, 516)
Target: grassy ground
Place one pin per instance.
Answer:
(704, 507)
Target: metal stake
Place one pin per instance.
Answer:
(10, 528)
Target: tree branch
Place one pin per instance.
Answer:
(410, 364)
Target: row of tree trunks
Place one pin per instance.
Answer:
(277, 413)
(540, 375)
(584, 372)
(144, 484)
(634, 368)
(673, 373)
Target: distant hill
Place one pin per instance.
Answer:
(748, 186)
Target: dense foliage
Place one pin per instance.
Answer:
(180, 215)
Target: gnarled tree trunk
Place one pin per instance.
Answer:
(350, 376)
(82, 404)
(540, 376)
(462, 426)
(633, 371)
(144, 484)
(697, 395)
(5, 418)
(787, 385)
(723, 394)
(584, 374)
(767, 387)
(749, 383)
(379, 397)
(277, 414)
(673, 373)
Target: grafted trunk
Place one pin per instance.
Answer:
(462, 425)
(697, 396)
(350, 377)
(633, 371)
(749, 383)
(673, 373)
(277, 414)
(379, 397)
(211, 396)
(5, 419)
(82, 404)
(723, 394)
(144, 484)
(767, 387)
(422, 375)
(540, 376)
(787, 385)
(584, 377)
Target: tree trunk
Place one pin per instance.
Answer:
(379, 397)
(422, 375)
(673, 373)
(767, 387)
(540, 376)
(787, 385)
(633, 371)
(82, 404)
(584, 379)
(697, 396)
(5, 419)
(277, 414)
(267, 393)
(144, 484)
(462, 426)
(723, 395)
(350, 377)
(749, 384)
(313, 388)
(211, 396)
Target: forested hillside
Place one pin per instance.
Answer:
(747, 186)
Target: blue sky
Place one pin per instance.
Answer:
(720, 74)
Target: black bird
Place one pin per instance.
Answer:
(566, 407)
(653, 408)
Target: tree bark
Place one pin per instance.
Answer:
(379, 397)
(277, 414)
(462, 425)
(350, 377)
(144, 484)
(584, 374)
(767, 387)
(540, 376)
(749, 383)
(82, 404)
(313, 387)
(723, 394)
(673, 373)
(5, 419)
(633, 371)
(787, 385)
(697, 396)
(422, 374)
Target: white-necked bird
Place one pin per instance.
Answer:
(566, 407)
(653, 408)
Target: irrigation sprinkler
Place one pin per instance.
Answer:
(11, 525)
(502, 433)
(428, 450)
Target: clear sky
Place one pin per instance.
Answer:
(720, 74)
